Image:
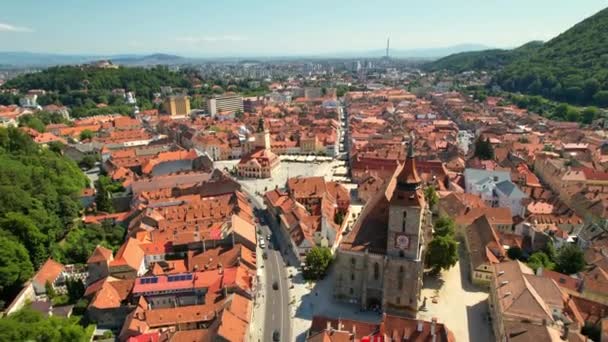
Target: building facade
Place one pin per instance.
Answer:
(224, 104)
(177, 105)
(380, 263)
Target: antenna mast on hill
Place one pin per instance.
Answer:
(388, 44)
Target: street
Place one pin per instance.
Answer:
(276, 301)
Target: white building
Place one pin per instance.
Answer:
(496, 189)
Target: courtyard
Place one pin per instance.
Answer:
(462, 306)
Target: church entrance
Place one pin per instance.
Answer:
(374, 299)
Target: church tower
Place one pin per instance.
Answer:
(262, 136)
(406, 211)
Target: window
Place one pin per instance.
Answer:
(376, 271)
(352, 276)
(398, 300)
(400, 278)
(352, 291)
(352, 261)
(403, 222)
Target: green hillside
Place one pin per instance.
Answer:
(482, 60)
(573, 67)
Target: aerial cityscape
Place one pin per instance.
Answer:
(312, 172)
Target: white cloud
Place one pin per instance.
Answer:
(12, 28)
(207, 39)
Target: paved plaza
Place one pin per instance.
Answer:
(460, 304)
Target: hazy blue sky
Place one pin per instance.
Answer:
(278, 27)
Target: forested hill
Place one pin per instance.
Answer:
(39, 203)
(573, 67)
(481, 60)
(83, 87)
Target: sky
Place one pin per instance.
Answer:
(200, 28)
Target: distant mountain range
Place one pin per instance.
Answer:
(33, 59)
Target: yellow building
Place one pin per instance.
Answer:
(177, 105)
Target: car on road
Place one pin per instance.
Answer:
(262, 244)
(275, 285)
(276, 336)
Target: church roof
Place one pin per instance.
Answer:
(371, 229)
(408, 176)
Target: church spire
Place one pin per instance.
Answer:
(408, 178)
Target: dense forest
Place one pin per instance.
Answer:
(83, 87)
(29, 325)
(39, 204)
(571, 68)
(40, 211)
(493, 59)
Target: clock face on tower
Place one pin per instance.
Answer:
(402, 241)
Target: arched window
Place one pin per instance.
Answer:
(376, 271)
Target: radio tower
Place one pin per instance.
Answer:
(388, 44)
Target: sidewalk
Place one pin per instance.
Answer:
(256, 327)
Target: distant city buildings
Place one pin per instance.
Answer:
(225, 104)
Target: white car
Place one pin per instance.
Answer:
(262, 244)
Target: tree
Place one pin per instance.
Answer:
(50, 290)
(339, 217)
(431, 196)
(15, 265)
(24, 228)
(86, 135)
(442, 253)
(590, 114)
(30, 325)
(484, 149)
(75, 289)
(444, 226)
(56, 146)
(88, 162)
(515, 253)
(33, 122)
(317, 262)
(540, 259)
(570, 259)
(103, 200)
(601, 98)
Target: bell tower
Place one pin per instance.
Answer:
(406, 210)
(262, 135)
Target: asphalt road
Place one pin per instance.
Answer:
(277, 317)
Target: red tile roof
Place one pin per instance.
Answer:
(49, 271)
